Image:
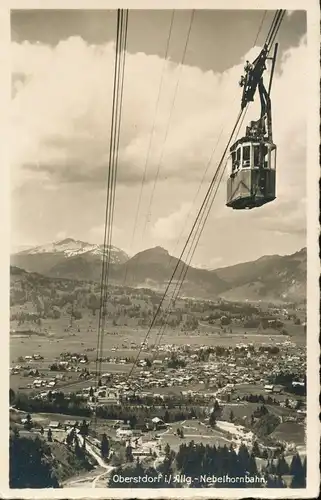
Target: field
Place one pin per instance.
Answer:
(291, 432)
(211, 438)
(194, 324)
(56, 336)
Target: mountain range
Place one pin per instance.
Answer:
(270, 278)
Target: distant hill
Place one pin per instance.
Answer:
(67, 258)
(273, 277)
(270, 278)
(71, 248)
(153, 268)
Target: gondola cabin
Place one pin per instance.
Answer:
(252, 159)
(252, 166)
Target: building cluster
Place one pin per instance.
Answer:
(198, 372)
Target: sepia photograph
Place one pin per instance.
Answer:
(159, 251)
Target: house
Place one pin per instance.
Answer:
(24, 420)
(63, 364)
(124, 433)
(108, 396)
(39, 383)
(71, 423)
(141, 453)
(33, 373)
(37, 356)
(297, 384)
(55, 425)
(158, 423)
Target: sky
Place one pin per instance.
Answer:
(177, 115)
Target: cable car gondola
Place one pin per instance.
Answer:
(252, 158)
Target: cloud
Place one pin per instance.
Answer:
(169, 228)
(61, 235)
(61, 112)
(96, 233)
(62, 107)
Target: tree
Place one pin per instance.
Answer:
(266, 425)
(166, 416)
(28, 423)
(104, 447)
(282, 467)
(252, 468)
(132, 421)
(29, 464)
(49, 435)
(77, 314)
(274, 481)
(69, 438)
(217, 409)
(225, 321)
(12, 396)
(297, 471)
(232, 416)
(256, 449)
(244, 457)
(129, 453)
(93, 303)
(167, 449)
(212, 420)
(78, 451)
(279, 482)
(84, 429)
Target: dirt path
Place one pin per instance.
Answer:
(98, 479)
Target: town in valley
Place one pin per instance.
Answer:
(224, 375)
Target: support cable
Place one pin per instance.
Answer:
(151, 138)
(186, 265)
(179, 261)
(118, 82)
(169, 121)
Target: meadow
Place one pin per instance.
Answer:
(50, 334)
(56, 336)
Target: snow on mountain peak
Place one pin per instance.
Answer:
(71, 248)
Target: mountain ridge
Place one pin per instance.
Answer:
(270, 277)
(70, 248)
